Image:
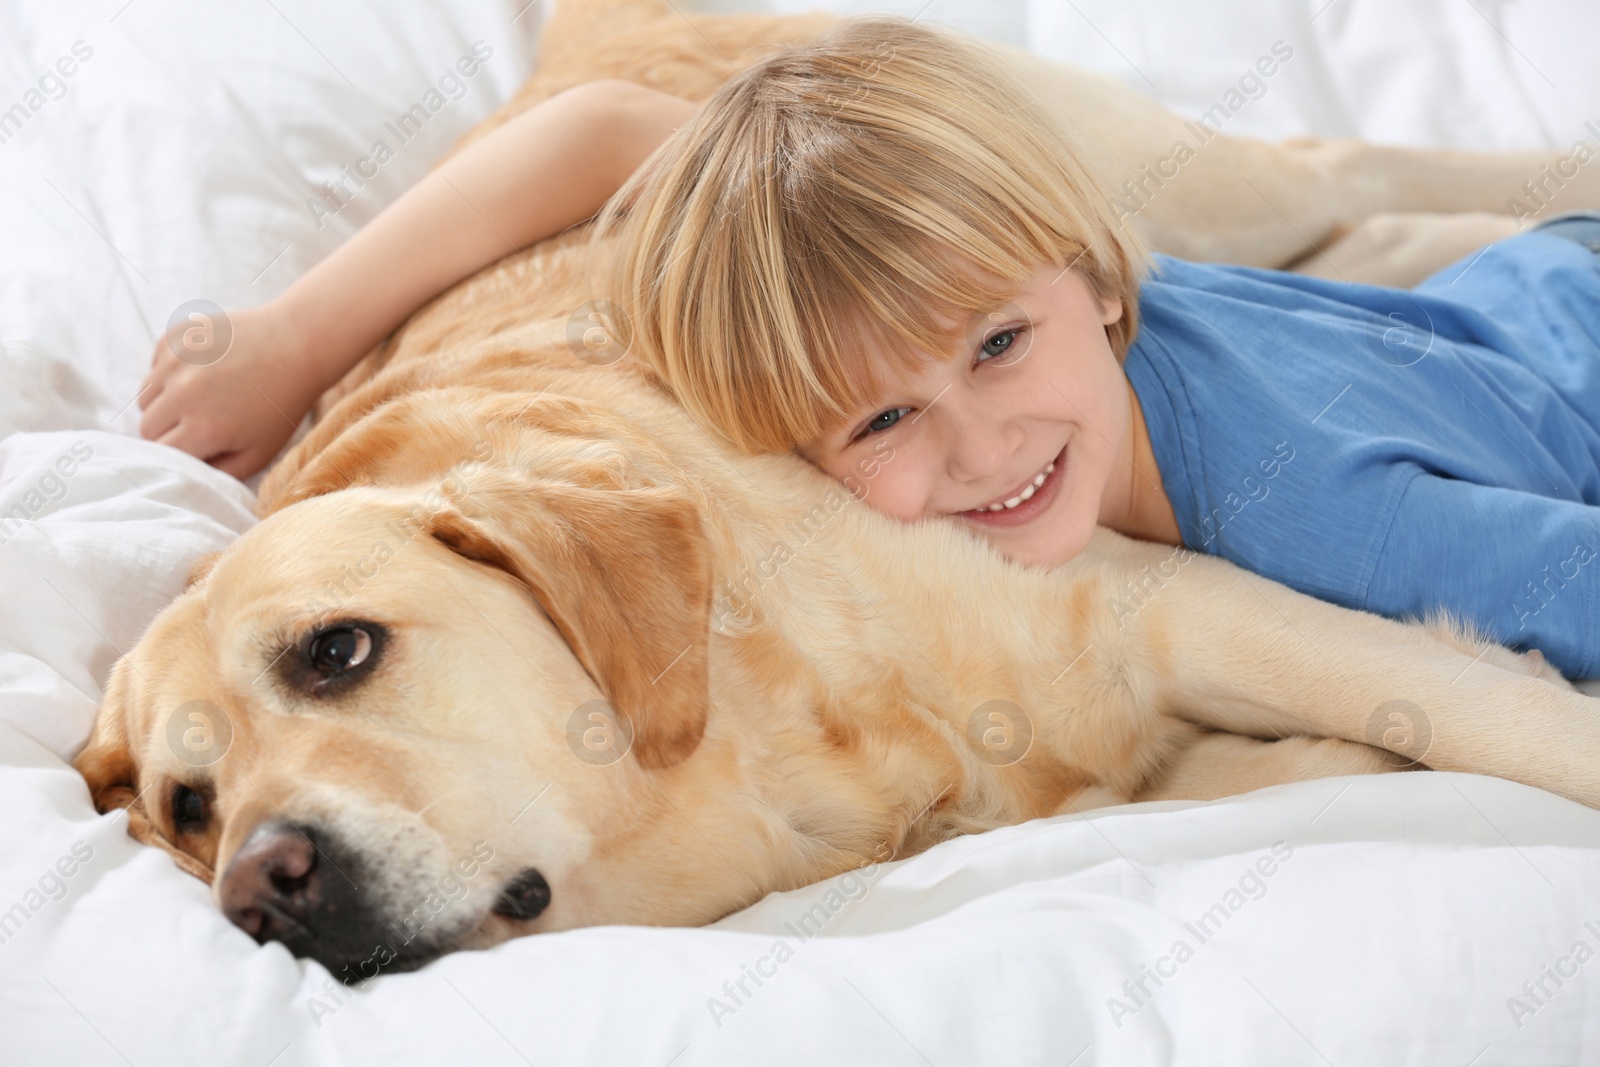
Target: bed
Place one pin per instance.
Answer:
(154, 152)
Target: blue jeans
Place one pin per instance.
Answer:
(1580, 226)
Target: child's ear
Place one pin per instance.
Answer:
(1110, 309)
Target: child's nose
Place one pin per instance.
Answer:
(980, 444)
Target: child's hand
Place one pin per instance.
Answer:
(235, 412)
(234, 404)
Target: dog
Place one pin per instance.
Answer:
(517, 648)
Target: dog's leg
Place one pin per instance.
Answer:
(1217, 765)
(649, 42)
(1464, 637)
(1207, 765)
(1241, 653)
(1400, 250)
(1202, 194)
(599, 18)
(1274, 204)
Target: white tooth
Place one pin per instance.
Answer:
(1019, 498)
(1038, 480)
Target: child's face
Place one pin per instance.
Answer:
(1037, 385)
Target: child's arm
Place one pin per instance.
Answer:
(540, 173)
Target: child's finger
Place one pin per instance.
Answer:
(155, 380)
(161, 361)
(241, 464)
(149, 389)
(185, 437)
(160, 418)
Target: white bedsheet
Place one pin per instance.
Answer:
(1427, 919)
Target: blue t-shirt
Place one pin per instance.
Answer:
(1392, 450)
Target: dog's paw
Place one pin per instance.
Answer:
(1463, 637)
(1540, 667)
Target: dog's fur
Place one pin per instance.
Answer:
(810, 686)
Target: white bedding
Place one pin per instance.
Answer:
(1397, 921)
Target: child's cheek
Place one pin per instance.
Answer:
(893, 491)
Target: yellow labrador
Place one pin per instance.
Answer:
(516, 648)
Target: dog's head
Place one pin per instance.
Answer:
(388, 723)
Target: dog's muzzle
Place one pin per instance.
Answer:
(299, 886)
(302, 887)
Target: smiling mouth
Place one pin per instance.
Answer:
(1016, 497)
(1024, 503)
(1027, 491)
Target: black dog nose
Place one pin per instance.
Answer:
(524, 897)
(272, 882)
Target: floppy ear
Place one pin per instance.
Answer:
(625, 575)
(200, 568)
(106, 763)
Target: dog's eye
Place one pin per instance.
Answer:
(333, 658)
(188, 809)
(336, 650)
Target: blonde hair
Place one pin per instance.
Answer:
(840, 197)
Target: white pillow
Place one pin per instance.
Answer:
(97, 533)
(177, 158)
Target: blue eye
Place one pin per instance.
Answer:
(999, 344)
(877, 425)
